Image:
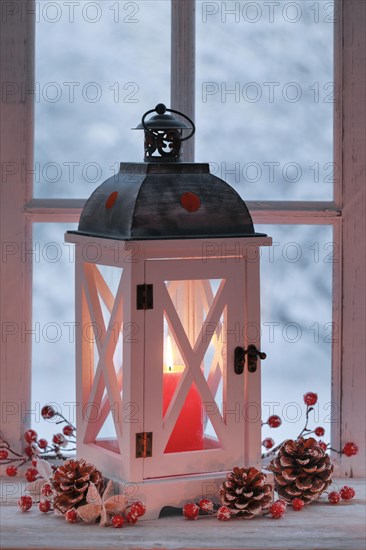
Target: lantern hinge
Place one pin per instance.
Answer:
(144, 297)
(143, 444)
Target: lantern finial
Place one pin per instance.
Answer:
(163, 134)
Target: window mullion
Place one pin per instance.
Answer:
(338, 105)
(282, 212)
(17, 34)
(183, 54)
(351, 52)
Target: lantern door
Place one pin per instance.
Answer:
(193, 399)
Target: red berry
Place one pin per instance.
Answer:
(131, 518)
(138, 509)
(48, 412)
(277, 510)
(297, 504)
(68, 430)
(268, 443)
(30, 436)
(34, 463)
(71, 516)
(117, 522)
(59, 439)
(274, 421)
(44, 506)
(206, 505)
(347, 493)
(310, 398)
(3, 454)
(319, 431)
(191, 510)
(31, 474)
(11, 471)
(322, 445)
(46, 490)
(25, 503)
(334, 497)
(29, 450)
(42, 443)
(350, 449)
(223, 513)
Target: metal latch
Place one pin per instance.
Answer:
(253, 354)
(239, 358)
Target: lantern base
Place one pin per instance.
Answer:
(162, 491)
(173, 491)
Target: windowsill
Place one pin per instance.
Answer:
(318, 526)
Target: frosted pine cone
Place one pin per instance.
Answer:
(302, 469)
(245, 492)
(71, 483)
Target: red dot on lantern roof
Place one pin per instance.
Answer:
(111, 200)
(190, 201)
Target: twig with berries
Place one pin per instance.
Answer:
(345, 493)
(9, 456)
(205, 507)
(59, 440)
(274, 421)
(36, 447)
(301, 467)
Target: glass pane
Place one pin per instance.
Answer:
(108, 280)
(53, 325)
(193, 301)
(265, 96)
(99, 66)
(297, 327)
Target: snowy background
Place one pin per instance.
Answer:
(264, 122)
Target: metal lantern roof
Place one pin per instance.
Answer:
(164, 199)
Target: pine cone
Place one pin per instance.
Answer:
(301, 470)
(71, 483)
(245, 492)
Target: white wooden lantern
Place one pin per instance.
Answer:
(168, 328)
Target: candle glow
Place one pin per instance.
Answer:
(187, 434)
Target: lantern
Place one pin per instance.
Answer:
(167, 325)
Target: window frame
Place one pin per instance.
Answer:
(346, 215)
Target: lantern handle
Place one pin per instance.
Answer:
(161, 109)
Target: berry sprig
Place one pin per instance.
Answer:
(345, 493)
(36, 447)
(9, 456)
(274, 421)
(130, 516)
(26, 502)
(204, 507)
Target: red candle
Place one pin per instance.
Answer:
(187, 434)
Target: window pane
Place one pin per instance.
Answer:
(53, 338)
(265, 96)
(99, 67)
(297, 329)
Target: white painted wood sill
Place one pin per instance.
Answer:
(318, 526)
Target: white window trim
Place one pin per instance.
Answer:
(347, 213)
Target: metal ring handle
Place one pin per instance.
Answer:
(171, 111)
